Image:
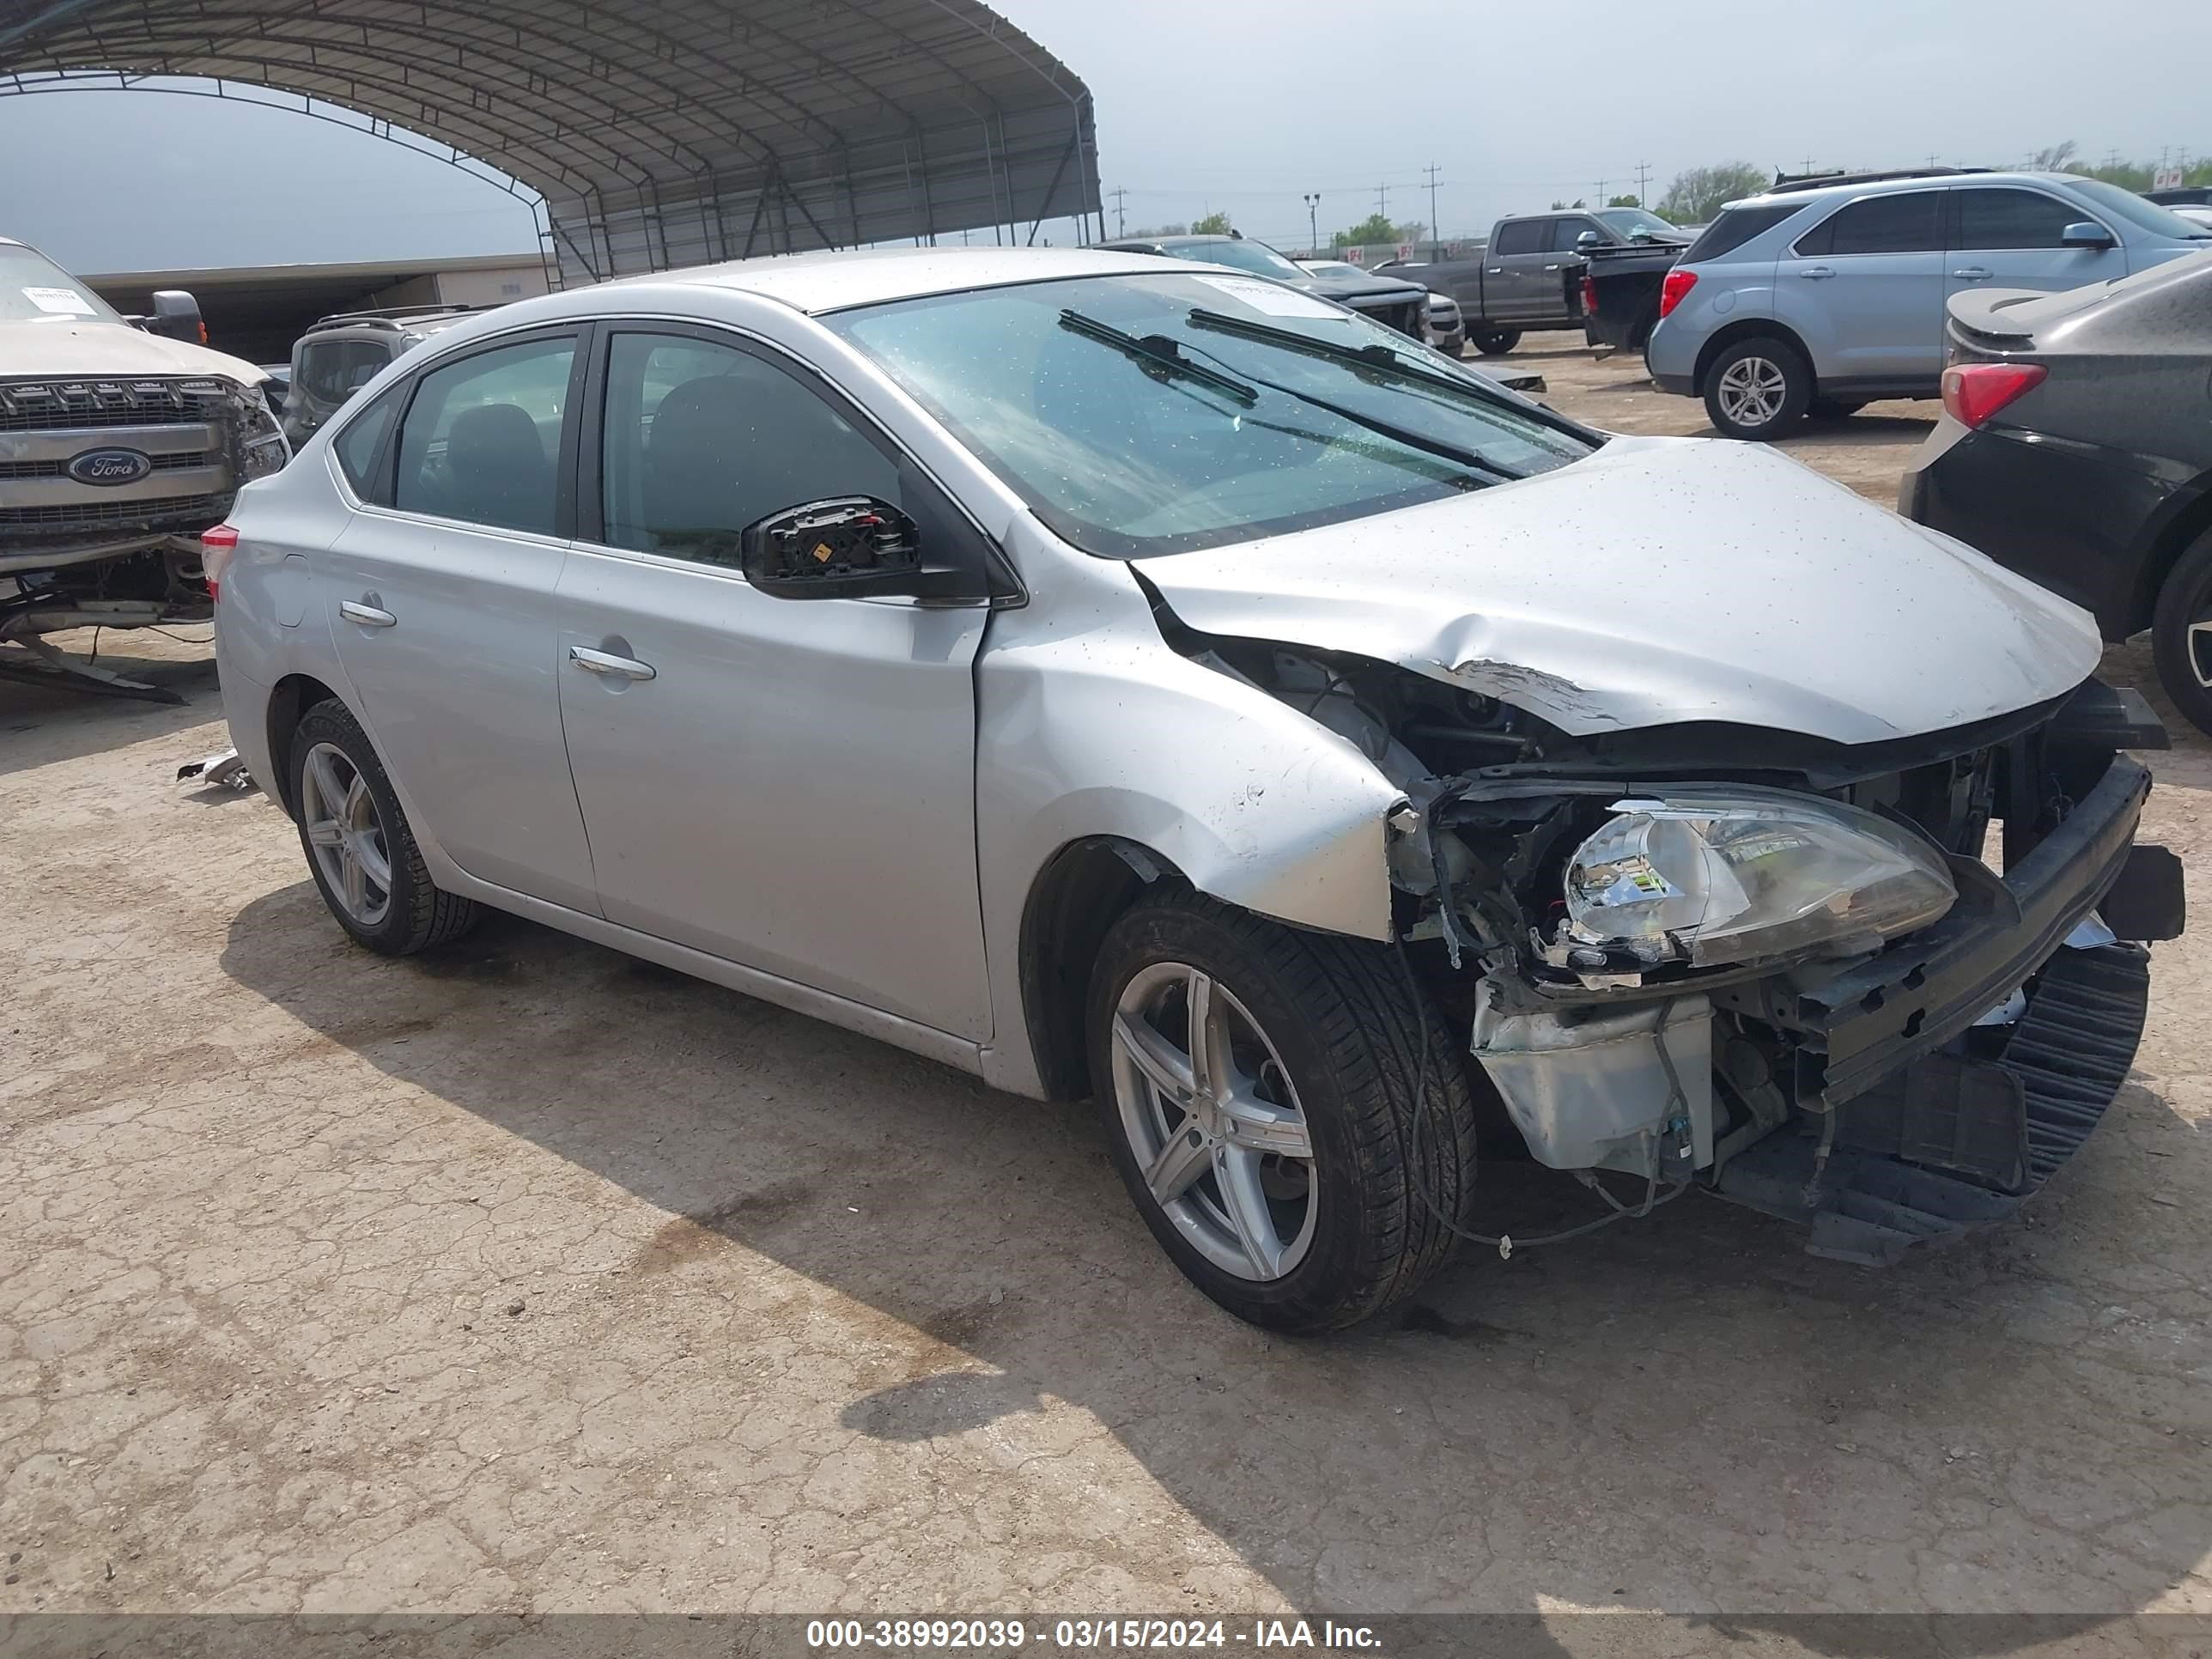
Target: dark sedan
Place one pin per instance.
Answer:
(2075, 447)
(1388, 300)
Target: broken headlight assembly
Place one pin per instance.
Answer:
(261, 449)
(1720, 878)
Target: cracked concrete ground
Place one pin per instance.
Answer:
(527, 1276)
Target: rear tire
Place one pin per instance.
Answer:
(359, 847)
(1757, 389)
(1494, 341)
(2181, 633)
(1312, 1041)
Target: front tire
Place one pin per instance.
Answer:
(359, 847)
(1758, 389)
(2181, 633)
(1258, 1088)
(1494, 341)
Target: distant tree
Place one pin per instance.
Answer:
(1697, 195)
(1557, 204)
(2052, 158)
(1577, 202)
(1623, 201)
(1161, 230)
(1214, 224)
(1373, 231)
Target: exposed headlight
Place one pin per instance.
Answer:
(1718, 878)
(263, 450)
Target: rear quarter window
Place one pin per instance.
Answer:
(1735, 226)
(359, 444)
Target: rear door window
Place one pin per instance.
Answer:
(1521, 236)
(1993, 218)
(1908, 222)
(482, 440)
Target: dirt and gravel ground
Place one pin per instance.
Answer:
(528, 1277)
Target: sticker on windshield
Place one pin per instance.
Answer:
(1272, 297)
(66, 300)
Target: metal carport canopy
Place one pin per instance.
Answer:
(659, 133)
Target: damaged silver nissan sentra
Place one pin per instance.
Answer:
(1121, 677)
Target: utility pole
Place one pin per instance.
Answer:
(1643, 179)
(1436, 236)
(1121, 215)
(1600, 194)
(1313, 222)
(1382, 200)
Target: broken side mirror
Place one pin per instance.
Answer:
(847, 547)
(177, 317)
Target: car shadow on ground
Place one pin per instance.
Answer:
(1684, 1411)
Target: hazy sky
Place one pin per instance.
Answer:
(1243, 105)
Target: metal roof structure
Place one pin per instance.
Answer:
(652, 133)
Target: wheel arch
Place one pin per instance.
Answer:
(289, 702)
(1750, 328)
(1077, 895)
(2164, 548)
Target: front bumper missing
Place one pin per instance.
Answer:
(1924, 1137)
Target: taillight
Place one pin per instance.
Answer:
(1974, 391)
(1672, 290)
(1589, 294)
(217, 543)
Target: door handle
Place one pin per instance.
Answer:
(1550, 267)
(1970, 273)
(1815, 273)
(367, 614)
(613, 667)
(1497, 271)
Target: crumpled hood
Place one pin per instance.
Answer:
(83, 347)
(1662, 580)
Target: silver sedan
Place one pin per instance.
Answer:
(1121, 677)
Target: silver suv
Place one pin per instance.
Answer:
(1818, 297)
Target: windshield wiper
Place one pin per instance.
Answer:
(1159, 351)
(1373, 356)
(1390, 430)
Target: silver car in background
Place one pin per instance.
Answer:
(1115, 675)
(1819, 296)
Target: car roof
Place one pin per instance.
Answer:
(1810, 195)
(834, 280)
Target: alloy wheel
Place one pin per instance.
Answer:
(2200, 651)
(1751, 390)
(1214, 1121)
(346, 834)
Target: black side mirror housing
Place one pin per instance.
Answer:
(177, 317)
(2085, 232)
(847, 547)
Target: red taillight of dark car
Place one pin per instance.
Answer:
(1589, 296)
(1675, 288)
(1974, 391)
(217, 543)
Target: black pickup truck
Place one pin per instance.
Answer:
(1621, 283)
(1529, 274)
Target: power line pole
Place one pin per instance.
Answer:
(1120, 216)
(1313, 221)
(1643, 179)
(1434, 235)
(1383, 200)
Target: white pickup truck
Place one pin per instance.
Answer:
(121, 440)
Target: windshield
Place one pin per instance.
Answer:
(32, 285)
(1135, 449)
(1333, 268)
(2144, 215)
(1256, 256)
(1635, 221)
